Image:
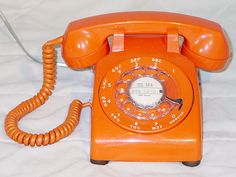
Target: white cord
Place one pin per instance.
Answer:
(12, 32)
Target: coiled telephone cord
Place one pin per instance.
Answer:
(61, 131)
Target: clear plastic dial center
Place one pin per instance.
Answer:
(146, 91)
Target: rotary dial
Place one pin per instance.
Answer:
(140, 93)
(146, 94)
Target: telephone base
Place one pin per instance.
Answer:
(99, 162)
(192, 163)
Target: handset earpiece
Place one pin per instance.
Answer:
(209, 49)
(81, 49)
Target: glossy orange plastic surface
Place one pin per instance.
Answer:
(131, 139)
(204, 40)
(145, 45)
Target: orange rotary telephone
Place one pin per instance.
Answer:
(146, 101)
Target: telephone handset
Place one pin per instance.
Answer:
(146, 102)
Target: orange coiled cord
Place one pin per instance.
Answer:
(33, 103)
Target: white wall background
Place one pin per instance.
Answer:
(36, 21)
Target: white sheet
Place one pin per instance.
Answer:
(36, 21)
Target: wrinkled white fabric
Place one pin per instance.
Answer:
(36, 21)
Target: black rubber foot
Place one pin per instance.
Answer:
(192, 163)
(99, 162)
